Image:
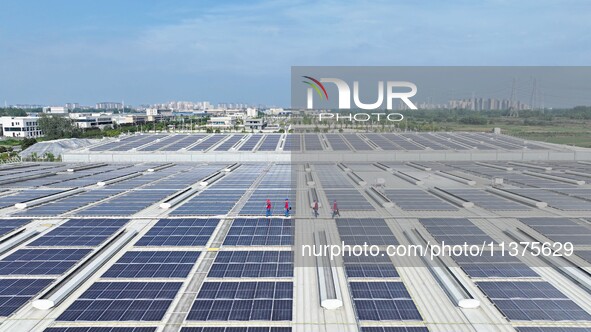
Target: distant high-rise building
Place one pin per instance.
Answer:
(109, 105)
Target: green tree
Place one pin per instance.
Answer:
(26, 142)
(55, 127)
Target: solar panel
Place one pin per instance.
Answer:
(210, 202)
(550, 329)
(417, 200)
(25, 196)
(256, 204)
(260, 232)
(243, 301)
(383, 301)
(153, 264)
(561, 229)
(292, 142)
(250, 143)
(80, 232)
(14, 293)
(269, 143)
(236, 329)
(368, 266)
(41, 261)
(555, 200)
(455, 231)
(487, 200)
(348, 200)
(312, 142)
(337, 142)
(229, 143)
(8, 225)
(331, 177)
(128, 203)
(372, 231)
(357, 143)
(394, 329)
(184, 142)
(61, 206)
(252, 264)
(207, 143)
(122, 301)
(494, 266)
(162, 143)
(100, 329)
(528, 300)
(179, 232)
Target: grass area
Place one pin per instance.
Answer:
(562, 132)
(10, 142)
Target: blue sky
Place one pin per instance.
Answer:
(58, 51)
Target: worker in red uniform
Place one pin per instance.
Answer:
(268, 208)
(335, 209)
(315, 208)
(287, 207)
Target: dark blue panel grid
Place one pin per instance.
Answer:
(395, 329)
(236, 329)
(153, 264)
(16, 292)
(527, 300)
(80, 232)
(122, 301)
(100, 329)
(372, 231)
(260, 232)
(8, 225)
(252, 264)
(243, 301)
(41, 261)
(383, 301)
(179, 232)
(368, 266)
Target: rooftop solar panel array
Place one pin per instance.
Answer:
(357, 143)
(488, 200)
(14, 293)
(529, 300)
(25, 196)
(128, 203)
(153, 264)
(292, 143)
(417, 200)
(312, 142)
(331, 177)
(393, 329)
(260, 232)
(369, 266)
(455, 231)
(162, 143)
(40, 261)
(383, 301)
(183, 143)
(372, 231)
(561, 230)
(179, 232)
(252, 264)
(337, 142)
(348, 200)
(100, 329)
(243, 301)
(495, 265)
(80, 232)
(237, 329)
(229, 143)
(250, 143)
(554, 200)
(269, 143)
(117, 142)
(61, 206)
(207, 143)
(8, 225)
(122, 301)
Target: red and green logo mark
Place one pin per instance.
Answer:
(316, 85)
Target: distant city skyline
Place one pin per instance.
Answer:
(61, 51)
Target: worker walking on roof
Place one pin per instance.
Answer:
(335, 209)
(315, 208)
(287, 207)
(268, 208)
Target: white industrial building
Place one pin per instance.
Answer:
(20, 127)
